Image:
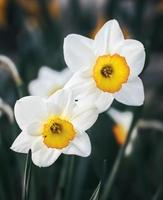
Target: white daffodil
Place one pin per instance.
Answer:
(48, 81)
(106, 67)
(123, 122)
(51, 126)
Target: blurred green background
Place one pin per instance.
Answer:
(32, 34)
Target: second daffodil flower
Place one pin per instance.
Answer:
(123, 121)
(53, 126)
(48, 81)
(106, 67)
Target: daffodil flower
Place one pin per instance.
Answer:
(51, 126)
(121, 128)
(106, 67)
(48, 81)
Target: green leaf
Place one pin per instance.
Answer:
(27, 177)
(95, 195)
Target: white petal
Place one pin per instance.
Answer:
(84, 118)
(56, 77)
(39, 87)
(48, 73)
(94, 97)
(43, 156)
(85, 95)
(122, 118)
(78, 52)
(29, 109)
(134, 53)
(80, 77)
(34, 129)
(80, 146)
(80, 84)
(108, 38)
(65, 75)
(86, 92)
(64, 100)
(53, 107)
(104, 101)
(23, 143)
(132, 93)
(38, 144)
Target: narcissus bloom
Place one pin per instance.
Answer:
(106, 67)
(122, 125)
(53, 126)
(48, 81)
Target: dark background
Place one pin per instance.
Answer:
(32, 34)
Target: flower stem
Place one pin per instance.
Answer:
(27, 177)
(62, 179)
(70, 172)
(95, 194)
(115, 169)
(158, 193)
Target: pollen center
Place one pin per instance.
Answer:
(56, 128)
(107, 71)
(57, 132)
(110, 72)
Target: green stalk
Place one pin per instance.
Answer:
(158, 193)
(70, 172)
(62, 179)
(117, 164)
(95, 195)
(79, 177)
(27, 177)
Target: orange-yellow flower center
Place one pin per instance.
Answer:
(110, 72)
(120, 133)
(57, 132)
